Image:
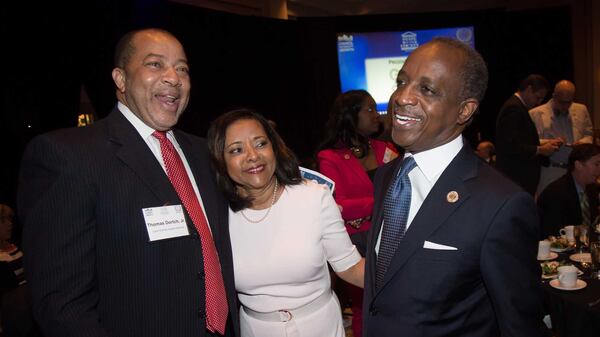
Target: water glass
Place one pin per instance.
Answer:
(595, 252)
(583, 237)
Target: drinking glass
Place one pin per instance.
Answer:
(595, 252)
(583, 237)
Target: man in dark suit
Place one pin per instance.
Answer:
(573, 198)
(114, 246)
(519, 152)
(463, 261)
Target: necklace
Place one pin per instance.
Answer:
(358, 152)
(268, 210)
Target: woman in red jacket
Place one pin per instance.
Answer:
(349, 156)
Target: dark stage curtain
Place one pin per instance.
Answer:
(285, 69)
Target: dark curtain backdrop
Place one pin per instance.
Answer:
(285, 69)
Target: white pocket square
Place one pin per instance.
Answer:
(433, 245)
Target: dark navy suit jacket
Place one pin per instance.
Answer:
(488, 286)
(516, 144)
(90, 265)
(559, 205)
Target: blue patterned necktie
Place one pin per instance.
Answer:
(395, 214)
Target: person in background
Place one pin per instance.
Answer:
(486, 151)
(573, 198)
(15, 309)
(520, 153)
(385, 129)
(569, 122)
(349, 156)
(283, 229)
(125, 230)
(447, 226)
(10, 255)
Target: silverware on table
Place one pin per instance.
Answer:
(593, 303)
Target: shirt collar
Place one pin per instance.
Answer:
(556, 113)
(520, 98)
(434, 161)
(144, 130)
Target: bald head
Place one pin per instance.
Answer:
(486, 150)
(564, 86)
(564, 93)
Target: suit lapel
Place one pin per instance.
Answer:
(353, 165)
(388, 173)
(435, 208)
(134, 153)
(574, 202)
(203, 178)
(378, 211)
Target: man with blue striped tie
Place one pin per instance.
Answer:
(452, 250)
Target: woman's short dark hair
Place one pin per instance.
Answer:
(343, 120)
(286, 169)
(582, 153)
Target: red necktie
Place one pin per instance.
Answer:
(216, 300)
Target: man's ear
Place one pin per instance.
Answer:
(118, 76)
(467, 110)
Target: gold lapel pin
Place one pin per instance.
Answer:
(452, 196)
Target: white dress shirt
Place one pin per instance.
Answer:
(154, 145)
(430, 165)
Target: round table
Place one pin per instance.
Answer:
(570, 312)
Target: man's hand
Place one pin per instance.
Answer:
(549, 146)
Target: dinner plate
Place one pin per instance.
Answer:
(560, 250)
(579, 285)
(581, 257)
(550, 256)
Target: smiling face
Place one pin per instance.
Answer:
(426, 106)
(368, 118)
(155, 83)
(249, 157)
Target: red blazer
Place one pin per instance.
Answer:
(353, 188)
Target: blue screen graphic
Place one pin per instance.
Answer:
(371, 61)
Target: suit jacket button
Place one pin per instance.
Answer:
(373, 312)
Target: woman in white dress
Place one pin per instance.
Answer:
(284, 231)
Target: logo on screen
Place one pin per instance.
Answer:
(345, 43)
(345, 37)
(409, 41)
(464, 35)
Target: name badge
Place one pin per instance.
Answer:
(165, 222)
